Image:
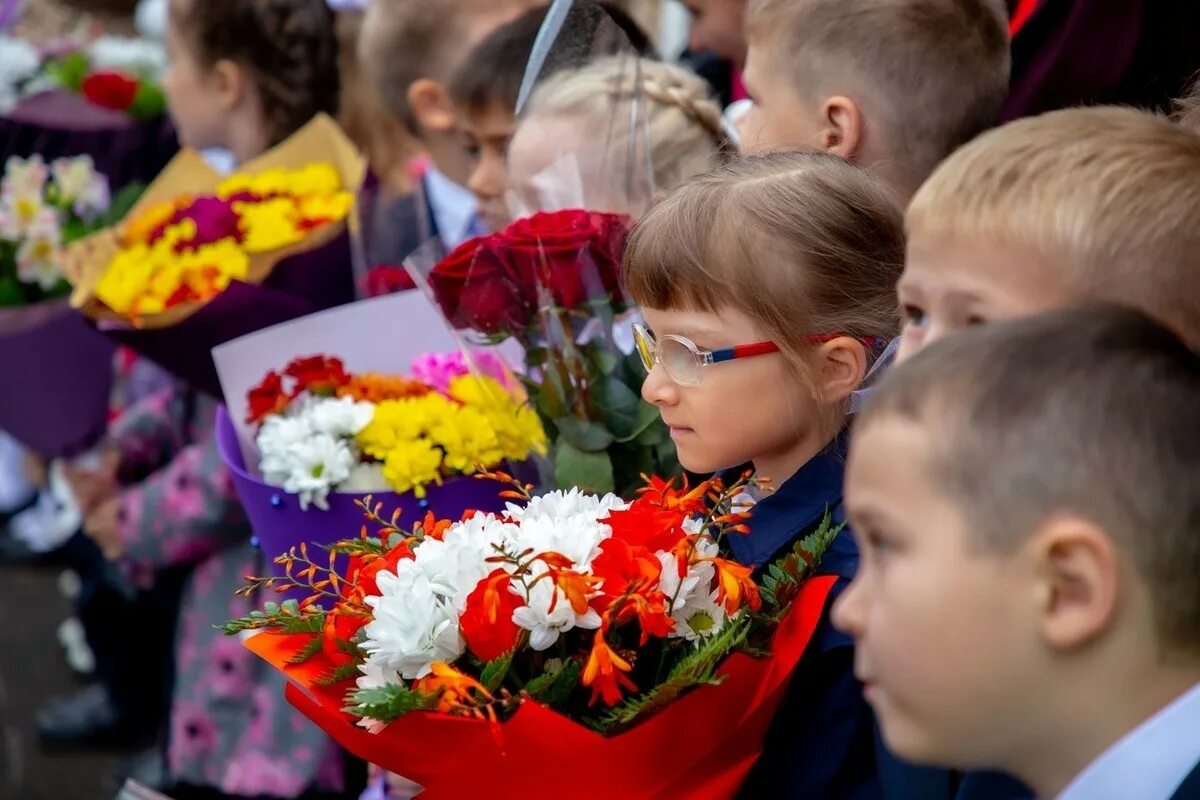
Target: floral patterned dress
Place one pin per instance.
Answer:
(231, 728)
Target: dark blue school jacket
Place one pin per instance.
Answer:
(823, 743)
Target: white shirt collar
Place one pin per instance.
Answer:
(1150, 761)
(454, 208)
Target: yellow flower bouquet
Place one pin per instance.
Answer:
(202, 259)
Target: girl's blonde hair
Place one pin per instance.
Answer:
(803, 244)
(681, 122)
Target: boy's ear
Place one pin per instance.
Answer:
(843, 366)
(230, 84)
(1078, 572)
(431, 105)
(843, 127)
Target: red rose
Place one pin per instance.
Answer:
(317, 374)
(574, 254)
(108, 89)
(266, 398)
(476, 289)
(386, 279)
(487, 621)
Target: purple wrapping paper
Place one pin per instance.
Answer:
(59, 124)
(300, 285)
(280, 524)
(57, 377)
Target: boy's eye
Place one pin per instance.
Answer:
(976, 319)
(914, 315)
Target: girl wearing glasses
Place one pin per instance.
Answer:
(768, 289)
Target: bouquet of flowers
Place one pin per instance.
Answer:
(202, 259)
(328, 437)
(43, 207)
(552, 282)
(110, 72)
(570, 629)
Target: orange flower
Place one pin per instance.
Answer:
(605, 673)
(375, 388)
(664, 495)
(456, 692)
(487, 619)
(735, 587)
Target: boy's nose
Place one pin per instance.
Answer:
(847, 614)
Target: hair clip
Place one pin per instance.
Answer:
(348, 5)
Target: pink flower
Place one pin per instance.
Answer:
(230, 669)
(439, 369)
(193, 734)
(254, 773)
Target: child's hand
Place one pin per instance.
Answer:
(102, 525)
(91, 487)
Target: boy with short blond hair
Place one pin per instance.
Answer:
(891, 85)
(1027, 594)
(1081, 205)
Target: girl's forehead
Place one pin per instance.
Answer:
(693, 323)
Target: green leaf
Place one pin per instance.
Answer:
(617, 405)
(10, 292)
(495, 671)
(309, 650)
(583, 434)
(69, 71)
(643, 420)
(591, 472)
(387, 703)
(604, 360)
(555, 688)
(694, 669)
(121, 204)
(536, 356)
(345, 672)
(149, 102)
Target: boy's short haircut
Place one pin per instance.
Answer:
(936, 70)
(1086, 411)
(492, 73)
(406, 40)
(1109, 195)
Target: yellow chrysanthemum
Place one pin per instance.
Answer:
(411, 465)
(399, 421)
(269, 225)
(312, 179)
(330, 207)
(468, 439)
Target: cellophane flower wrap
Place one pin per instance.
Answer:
(551, 279)
(63, 369)
(570, 630)
(202, 259)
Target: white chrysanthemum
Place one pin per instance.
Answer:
(544, 625)
(413, 626)
(457, 563)
(695, 609)
(303, 462)
(342, 417)
(567, 523)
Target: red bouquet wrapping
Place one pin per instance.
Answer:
(568, 631)
(700, 747)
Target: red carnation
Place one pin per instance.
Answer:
(340, 627)
(477, 290)
(363, 572)
(487, 621)
(109, 89)
(267, 398)
(318, 374)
